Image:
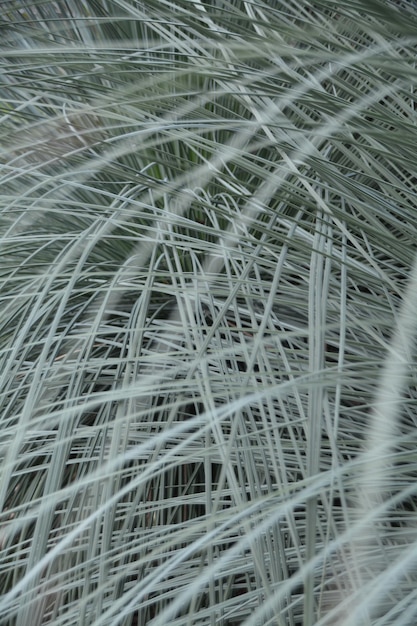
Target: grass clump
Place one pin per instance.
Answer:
(208, 240)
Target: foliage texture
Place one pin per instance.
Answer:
(208, 297)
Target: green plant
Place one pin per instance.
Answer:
(208, 231)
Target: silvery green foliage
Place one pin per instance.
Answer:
(207, 389)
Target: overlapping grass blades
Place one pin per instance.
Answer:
(208, 224)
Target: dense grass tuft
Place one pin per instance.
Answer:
(208, 233)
